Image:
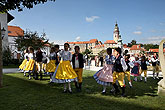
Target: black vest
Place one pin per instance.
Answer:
(39, 56)
(143, 65)
(118, 66)
(154, 63)
(80, 59)
(57, 62)
(127, 62)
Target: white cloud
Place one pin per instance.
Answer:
(163, 23)
(78, 38)
(91, 19)
(59, 42)
(137, 32)
(153, 39)
(138, 27)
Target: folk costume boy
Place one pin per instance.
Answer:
(78, 64)
(39, 58)
(155, 66)
(127, 72)
(119, 68)
(143, 65)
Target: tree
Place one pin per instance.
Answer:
(7, 5)
(6, 56)
(151, 46)
(31, 39)
(87, 51)
(133, 42)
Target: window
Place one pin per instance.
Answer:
(9, 31)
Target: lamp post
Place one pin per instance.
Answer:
(2, 34)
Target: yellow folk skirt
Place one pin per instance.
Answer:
(30, 65)
(51, 66)
(22, 66)
(64, 73)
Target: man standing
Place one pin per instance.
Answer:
(78, 64)
(155, 65)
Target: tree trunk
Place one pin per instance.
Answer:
(1, 74)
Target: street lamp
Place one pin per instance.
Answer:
(3, 33)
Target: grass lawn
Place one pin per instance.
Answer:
(11, 66)
(19, 93)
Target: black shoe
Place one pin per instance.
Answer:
(123, 91)
(123, 95)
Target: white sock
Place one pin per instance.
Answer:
(104, 88)
(69, 86)
(65, 86)
(130, 83)
(145, 79)
(141, 77)
(135, 78)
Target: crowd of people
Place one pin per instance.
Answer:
(65, 67)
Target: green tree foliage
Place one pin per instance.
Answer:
(102, 53)
(31, 39)
(6, 5)
(87, 51)
(133, 42)
(6, 56)
(151, 46)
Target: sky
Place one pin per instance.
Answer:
(82, 20)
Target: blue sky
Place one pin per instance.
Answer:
(66, 20)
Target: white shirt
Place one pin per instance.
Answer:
(76, 62)
(30, 55)
(26, 55)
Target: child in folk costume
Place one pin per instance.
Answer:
(155, 65)
(64, 72)
(119, 68)
(135, 69)
(30, 67)
(105, 76)
(127, 72)
(22, 66)
(143, 65)
(78, 64)
(51, 66)
(39, 62)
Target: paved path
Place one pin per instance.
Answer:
(10, 70)
(94, 68)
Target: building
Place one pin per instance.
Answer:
(136, 49)
(5, 18)
(97, 46)
(13, 33)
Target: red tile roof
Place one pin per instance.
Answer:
(110, 42)
(136, 47)
(84, 42)
(15, 31)
(155, 50)
(125, 45)
(99, 46)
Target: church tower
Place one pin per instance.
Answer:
(116, 33)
